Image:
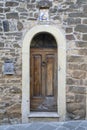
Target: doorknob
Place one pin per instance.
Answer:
(43, 63)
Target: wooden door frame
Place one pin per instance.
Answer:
(61, 46)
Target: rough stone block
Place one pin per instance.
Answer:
(79, 90)
(15, 90)
(73, 21)
(81, 1)
(31, 6)
(71, 81)
(1, 4)
(78, 15)
(12, 15)
(21, 9)
(77, 114)
(81, 44)
(81, 28)
(11, 3)
(53, 10)
(2, 16)
(19, 26)
(6, 26)
(70, 98)
(69, 30)
(83, 67)
(14, 110)
(0, 29)
(83, 52)
(80, 98)
(79, 74)
(7, 9)
(1, 44)
(1, 10)
(71, 107)
(44, 3)
(84, 21)
(85, 8)
(70, 37)
(75, 59)
(85, 37)
(73, 66)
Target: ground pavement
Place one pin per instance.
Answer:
(71, 125)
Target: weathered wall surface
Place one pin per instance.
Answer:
(16, 18)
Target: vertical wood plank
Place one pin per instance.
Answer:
(37, 77)
(50, 75)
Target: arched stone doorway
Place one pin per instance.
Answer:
(57, 34)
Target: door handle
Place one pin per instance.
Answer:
(43, 63)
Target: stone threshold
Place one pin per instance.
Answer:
(43, 114)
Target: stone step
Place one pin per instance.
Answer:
(43, 116)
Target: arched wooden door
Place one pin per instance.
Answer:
(43, 73)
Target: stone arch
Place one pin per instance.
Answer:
(61, 43)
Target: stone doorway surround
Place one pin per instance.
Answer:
(58, 34)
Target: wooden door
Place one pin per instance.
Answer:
(43, 80)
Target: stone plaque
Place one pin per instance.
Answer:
(8, 67)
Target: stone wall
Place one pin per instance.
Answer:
(16, 18)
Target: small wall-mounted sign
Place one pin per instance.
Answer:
(8, 67)
(44, 15)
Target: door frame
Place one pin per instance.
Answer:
(58, 34)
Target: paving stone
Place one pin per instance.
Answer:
(48, 127)
(56, 124)
(10, 128)
(80, 128)
(22, 126)
(34, 126)
(84, 124)
(2, 127)
(70, 125)
(62, 128)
